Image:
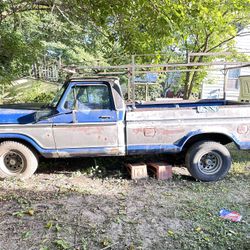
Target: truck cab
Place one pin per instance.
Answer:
(90, 118)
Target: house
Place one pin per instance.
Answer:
(213, 84)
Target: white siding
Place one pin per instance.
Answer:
(243, 41)
(212, 86)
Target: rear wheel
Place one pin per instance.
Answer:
(208, 161)
(16, 160)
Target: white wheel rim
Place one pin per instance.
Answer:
(210, 163)
(13, 161)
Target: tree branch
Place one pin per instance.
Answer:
(61, 12)
(247, 33)
(204, 46)
(221, 43)
(24, 6)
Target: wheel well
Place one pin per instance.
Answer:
(27, 144)
(217, 137)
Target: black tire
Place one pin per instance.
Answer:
(17, 160)
(208, 161)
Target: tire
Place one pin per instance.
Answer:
(17, 160)
(208, 161)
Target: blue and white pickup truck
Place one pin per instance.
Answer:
(88, 118)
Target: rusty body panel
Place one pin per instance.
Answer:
(87, 136)
(174, 126)
(41, 134)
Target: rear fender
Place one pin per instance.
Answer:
(201, 135)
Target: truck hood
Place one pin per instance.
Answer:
(23, 106)
(19, 113)
(16, 116)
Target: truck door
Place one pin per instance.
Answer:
(88, 124)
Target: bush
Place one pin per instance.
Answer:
(154, 91)
(37, 96)
(31, 92)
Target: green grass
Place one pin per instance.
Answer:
(201, 203)
(92, 209)
(30, 91)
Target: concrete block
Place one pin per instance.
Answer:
(161, 170)
(137, 170)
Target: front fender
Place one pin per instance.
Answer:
(29, 141)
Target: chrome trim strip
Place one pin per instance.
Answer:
(83, 124)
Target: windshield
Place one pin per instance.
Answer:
(58, 96)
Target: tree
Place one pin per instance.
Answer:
(83, 30)
(184, 26)
(30, 30)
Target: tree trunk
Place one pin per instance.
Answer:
(186, 86)
(190, 77)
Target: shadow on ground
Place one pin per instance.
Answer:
(107, 167)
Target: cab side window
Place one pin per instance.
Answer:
(89, 97)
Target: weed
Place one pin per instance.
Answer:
(26, 235)
(62, 244)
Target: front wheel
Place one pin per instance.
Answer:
(17, 160)
(208, 161)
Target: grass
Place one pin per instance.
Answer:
(201, 203)
(77, 210)
(30, 90)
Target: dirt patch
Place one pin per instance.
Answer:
(78, 208)
(72, 210)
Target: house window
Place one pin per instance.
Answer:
(233, 77)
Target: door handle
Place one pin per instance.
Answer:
(104, 117)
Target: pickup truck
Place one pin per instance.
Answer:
(88, 118)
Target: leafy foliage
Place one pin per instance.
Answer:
(81, 31)
(34, 31)
(154, 91)
(189, 26)
(32, 92)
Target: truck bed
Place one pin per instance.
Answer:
(184, 104)
(166, 127)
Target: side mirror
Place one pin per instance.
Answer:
(68, 105)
